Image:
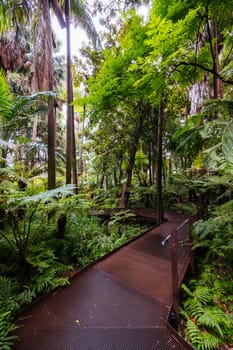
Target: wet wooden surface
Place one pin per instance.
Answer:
(120, 302)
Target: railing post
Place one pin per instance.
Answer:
(174, 258)
(191, 221)
(174, 268)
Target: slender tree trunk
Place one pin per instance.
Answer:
(71, 169)
(43, 76)
(150, 163)
(218, 90)
(69, 121)
(101, 185)
(115, 177)
(74, 164)
(81, 141)
(214, 48)
(129, 171)
(159, 204)
(51, 146)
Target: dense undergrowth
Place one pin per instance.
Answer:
(42, 238)
(207, 308)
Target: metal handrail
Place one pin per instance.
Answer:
(174, 242)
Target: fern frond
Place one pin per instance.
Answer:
(27, 295)
(45, 197)
(203, 294)
(6, 327)
(209, 342)
(211, 320)
(194, 307)
(8, 294)
(193, 334)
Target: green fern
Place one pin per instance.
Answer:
(8, 295)
(194, 307)
(207, 308)
(27, 295)
(6, 328)
(216, 319)
(202, 340)
(193, 334)
(211, 320)
(48, 281)
(203, 294)
(209, 342)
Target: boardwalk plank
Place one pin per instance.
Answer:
(118, 303)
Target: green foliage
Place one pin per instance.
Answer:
(201, 340)
(207, 306)
(209, 317)
(5, 97)
(9, 305)
(6, 327)
(8, 292)
(87, 240)
(44, 261)
(216, 235)
(26, 218)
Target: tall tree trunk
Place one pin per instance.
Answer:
(69, 121)
(71, 169)
(150, 163)
(214, 48)
(129, 171)
(159, 204)
(81, 131)
(74, 164)
(43, 75)
(51, 146)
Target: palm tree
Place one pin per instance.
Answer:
(15, 13)
(81, 16)
(43, 76)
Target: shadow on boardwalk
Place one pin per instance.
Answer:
(121, 302)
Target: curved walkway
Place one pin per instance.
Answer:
(121, 302)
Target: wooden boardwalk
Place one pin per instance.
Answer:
(121, 302)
